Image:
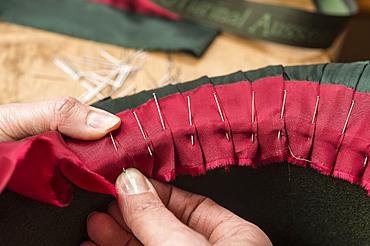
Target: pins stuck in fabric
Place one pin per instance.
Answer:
(282, 112)
(159, 111)
(115, 148)
(142, 132)
(113, 142)
(253, 112)
(349, 114)
(190, 119)
(221, 114)
(315, 112)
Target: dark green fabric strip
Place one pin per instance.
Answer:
(265, 72)
(347, 74)
(119, 104)
(311, 73)
(165, 91)
(228, 79)
(270, 22)
(84, 19)
(364, 82)
(353, 75)
(183, 87)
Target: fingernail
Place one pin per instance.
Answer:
(101, 120)
(132, 182)
(90, 214)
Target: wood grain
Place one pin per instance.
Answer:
(27, 72)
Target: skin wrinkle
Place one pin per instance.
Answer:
(140, 211)
(20, 120)
(64, 109)
(183, 216)
(237, 228)
(3, 134)
(190, 220)
(8, 121)
(201, 221)
(167, 203)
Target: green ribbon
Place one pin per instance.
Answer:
(269, 22)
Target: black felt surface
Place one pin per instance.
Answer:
(293, 205)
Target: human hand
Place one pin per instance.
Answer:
(66, 115)
(153, 213)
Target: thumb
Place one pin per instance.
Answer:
(146, 215)
(66, 115)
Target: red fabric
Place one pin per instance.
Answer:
(141, 7)
(268, 100)
(335, 102)
(189, 158)
(299, 111)
(355, 146)
(236, 101)
(163, 146)
(217, 150)
(38, 166)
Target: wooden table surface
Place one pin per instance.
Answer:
(27, 72)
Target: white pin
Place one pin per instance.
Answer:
(365, 162)
(115, 147)
(316, 107)
(349, 113)
(159, 111)
(282, 112)
(253, 113)
(67, 68)
(142, 131)
(190, 120)
(114, 142)
(107, 56)
(221, 115)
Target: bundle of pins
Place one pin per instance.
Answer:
(113, 73)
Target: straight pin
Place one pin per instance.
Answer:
(349, 113)
(159, 111)
(365, 162)
(221, 115)
(282, 112)
(142, 131)
(115, 147)
(190, 120)
(114, 142)
(316, 107)
(253, 113)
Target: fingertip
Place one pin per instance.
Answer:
(102, 120)
(131, 182)
(104, 230)
(90, 214)
(95, 222)
(114, 211)
(88, 243)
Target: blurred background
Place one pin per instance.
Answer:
(94, 49)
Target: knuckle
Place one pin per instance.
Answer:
(143, 209)
(148, 207)
(64, 108)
